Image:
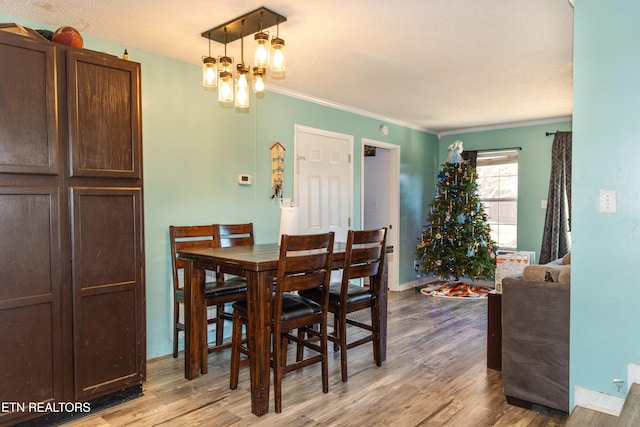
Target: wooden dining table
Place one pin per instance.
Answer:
(260, 264)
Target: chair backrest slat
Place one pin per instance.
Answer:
(309, 280)
(363, 270)
(304, 263)
(234, 234)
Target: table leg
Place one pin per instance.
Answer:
(494, 331)
(259, 338)
(382, 315)
(193, 302)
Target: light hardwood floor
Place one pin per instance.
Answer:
(435, 375)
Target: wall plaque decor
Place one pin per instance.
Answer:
(277, 169)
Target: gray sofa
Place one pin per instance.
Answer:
(535, 336)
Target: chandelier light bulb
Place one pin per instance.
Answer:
(209, 72)
(225, 89)
(225, 80)
(258, 79)
(242, 87)
(242, 81)
(278, 60)
(261, 50)
(259, 84)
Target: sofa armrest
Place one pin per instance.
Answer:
(535, 342)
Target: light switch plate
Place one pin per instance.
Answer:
(607, 201)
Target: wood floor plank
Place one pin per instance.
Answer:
(584, 417)
(435, 375)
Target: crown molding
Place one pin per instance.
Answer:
(365, 113)
(346, 108)
(509, 125)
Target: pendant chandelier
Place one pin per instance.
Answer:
(267, 56)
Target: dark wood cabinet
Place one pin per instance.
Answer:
(72, 322)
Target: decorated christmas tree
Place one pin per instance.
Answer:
(456, 239)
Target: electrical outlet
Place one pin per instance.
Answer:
(618, 384)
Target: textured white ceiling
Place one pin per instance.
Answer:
(438, 65)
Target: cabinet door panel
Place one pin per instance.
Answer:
(104, 116)
(28, 370)
(30, 297)
(106, 229)
(106, 349)
(28, 114)
(28, 226)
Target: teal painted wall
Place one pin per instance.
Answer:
(605, 286)
(193, 151)
(534, 168)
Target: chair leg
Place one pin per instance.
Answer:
(204, 343)
(219, 324)
(277, 373)
(324, 345)
(299, 346)
(285, 348)
(342, 331)
(176, 318)
(236, 340)
(336, 327)
(375, 324)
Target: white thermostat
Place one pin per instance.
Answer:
(244, 179)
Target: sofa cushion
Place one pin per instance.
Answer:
(566, 260)
(548, 273)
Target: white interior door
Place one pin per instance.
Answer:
(323, 181)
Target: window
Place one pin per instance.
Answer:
(498, 192)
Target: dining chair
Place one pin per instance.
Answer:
(304, 262)
(228, 235)
(364, 259)
(217, 292)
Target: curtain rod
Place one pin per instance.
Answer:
(558, 131)
(501, 149)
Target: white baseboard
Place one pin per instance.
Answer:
(602, 402)
(415, 283)
(597, 401)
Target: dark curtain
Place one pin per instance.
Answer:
(471, 157)
(557, 224)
